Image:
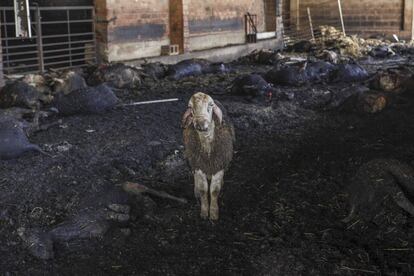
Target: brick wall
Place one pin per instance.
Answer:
(365, 17)
(216, 23)
(131, 29)
(369, 16)
(270, 15)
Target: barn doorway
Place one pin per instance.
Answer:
(177, 24)
(270, 15)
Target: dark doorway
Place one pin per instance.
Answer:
(270, 15)
(177, 24)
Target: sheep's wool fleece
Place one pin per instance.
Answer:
(221, 150)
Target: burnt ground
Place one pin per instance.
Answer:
(281, 207)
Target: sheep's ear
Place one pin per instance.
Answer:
(187, 118)
(218, 113)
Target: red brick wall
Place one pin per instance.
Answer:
(365, 17)
(270, 15)
(369, 16)
(222, 15)
(131, 29)
(217, 23)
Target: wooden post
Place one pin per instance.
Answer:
(295, 13)
(341, 17)
(412, 19)
(310, 24)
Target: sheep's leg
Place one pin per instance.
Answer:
(201, 190)
(216, 185)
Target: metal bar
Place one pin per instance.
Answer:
(150, 102)
(19, 38)
(66, 61)
(22, 18)
(26, 72)
(12, 24)
(62, 56)
(19, 46)
(95, 50)
(54, 8)
(68, 27)
(39, 40)
(64, 22)
(65, 35)
(68, 67)
(24, 59)
(5, 32)
(22, 66)
(67, 49)
(20, 53)
(66, 43)
(67, 8)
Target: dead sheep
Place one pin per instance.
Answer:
(381, 51)
(329, 56)
(208, 141)
(86, 225)
(89, 100)
(349, 72)
(155, 70)
(288, 75)
(378, 186)
(13, 139)
(40, 83)
(194, 67)
(68, 81)
(264, 57)
(301, 73)
(116, 75)
(392, 80)
(254, 87)
(19, 94)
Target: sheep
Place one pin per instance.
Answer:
(208, 140)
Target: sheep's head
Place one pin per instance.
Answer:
(201, 111)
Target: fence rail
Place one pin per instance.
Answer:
(63, 37)
(304, 21)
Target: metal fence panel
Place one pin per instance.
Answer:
(63, 37)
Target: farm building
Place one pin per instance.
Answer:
(133, 30)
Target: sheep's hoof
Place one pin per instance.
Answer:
(214, 214)
(204, 214)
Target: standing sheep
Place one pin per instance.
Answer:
(208, 140)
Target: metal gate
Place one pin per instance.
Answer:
(63, 37)
(304, 19)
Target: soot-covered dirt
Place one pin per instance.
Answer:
(281, 207)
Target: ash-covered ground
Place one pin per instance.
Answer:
(284, 196)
